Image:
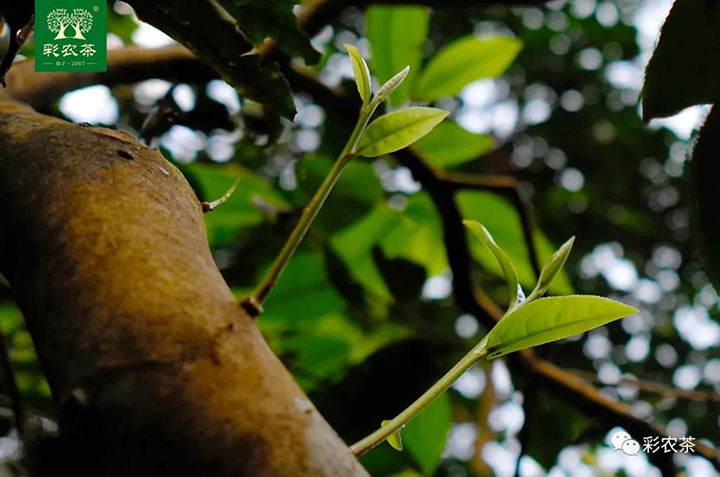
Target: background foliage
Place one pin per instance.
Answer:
(364, 316)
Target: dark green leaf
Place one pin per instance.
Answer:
(684, 69)
(704, 172)
(357, 191)
(275, 19)
(213, 35)
(404, 278)
(354, 244)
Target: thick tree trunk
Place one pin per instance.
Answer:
(153, 365)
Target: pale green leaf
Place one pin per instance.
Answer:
(398, 129)
(552, 319)
(451, 145)
(464, 61)
(501, 216)
(391, 85)
(396, 35)
(503, 260)
(552, 267)
(394, 439)
(361, 71)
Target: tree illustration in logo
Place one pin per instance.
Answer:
(82, 22)
(57, 21)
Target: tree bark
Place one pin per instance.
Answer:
(154, 367)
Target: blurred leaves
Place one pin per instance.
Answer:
(404, 279)
(396, 35)
(261, 19)
(450, 145)
(30, 380)
(464, 61)
(684, 69)
(241, 209)
(303, 293)
(425, 436)
(413, 235)
(356, 192)
(549, 409)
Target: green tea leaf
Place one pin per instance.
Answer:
(391, 85)
(503, 260)
(398, 129)
(684, 70)
(551, 319)
(451, 145)
(396, 35)
(463, 61)
(394, 439)
(425, 436)
(500, 216)
(361, 72)
(551, 268)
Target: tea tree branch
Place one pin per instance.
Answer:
(387, 134)
(253, 303)
(476, 354)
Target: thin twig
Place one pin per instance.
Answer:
(653, 387)
(253, 304)
(210, 206)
